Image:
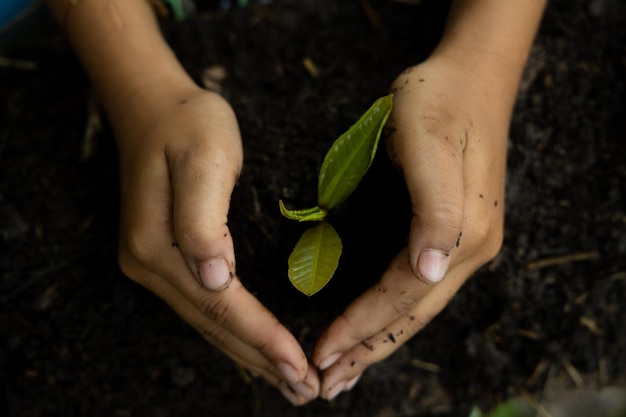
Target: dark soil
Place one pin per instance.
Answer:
(77, 338)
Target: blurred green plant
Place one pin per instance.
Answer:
(178, 8)
(604, 402)
(511, 408)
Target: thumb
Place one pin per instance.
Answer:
(202, 181)
(432, 163)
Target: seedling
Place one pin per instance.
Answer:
(316, 255)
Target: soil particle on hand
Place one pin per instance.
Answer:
(100, 345)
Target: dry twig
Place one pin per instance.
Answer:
(563, 260)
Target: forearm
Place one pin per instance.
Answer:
(492, 39)
(124, 53)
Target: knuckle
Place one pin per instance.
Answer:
(140, 245)
(398, 288)
(226, 158)
(195, 235)
(215, 336)
(442, 129)
(205, 157)
(446, 218)
(493, 245)
(344, 326)
(404, 302)
(216, 308)
(192, 234)
(136, 249)
(260, 343)
(448, 214)
(437, 133)
(416, 323)
(261, 340)
(127, 264)
(486, 239)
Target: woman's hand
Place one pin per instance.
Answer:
(450, 119)
(180, 155)
(180, 159)
(449, 139)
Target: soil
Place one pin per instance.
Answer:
(77, 338)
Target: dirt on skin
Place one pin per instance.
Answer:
(77, 338)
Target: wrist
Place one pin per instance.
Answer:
(491, 40)
(140, 102)
(472, 81)
(480, 72)
(132, 68)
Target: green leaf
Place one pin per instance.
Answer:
(315, 258)
(311, 214)
(178, 9)
(515, 407)
(476, 412)
(351, 155)
(504, 410)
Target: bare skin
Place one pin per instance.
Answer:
(181, 152)
(451, 116)
(180, 156)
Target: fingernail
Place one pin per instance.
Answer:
(289, 373)
(304, 390)
(214, 274)
(350, 384)
(329, 361)
(432, 264)
(335, 390)
(288, 394)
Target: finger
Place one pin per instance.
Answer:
(306, 390)
(392, 297)
(224, 340)
(240, 352)
(345, 385)
(430, 154)
(203, 176)
(147, 239)
(209, 245)
(234, 309)
(239, 312)
(352, 363)
(302, 392)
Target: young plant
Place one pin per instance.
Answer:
(316, 255)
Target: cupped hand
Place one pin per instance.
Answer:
(449, 132)
(180, 159)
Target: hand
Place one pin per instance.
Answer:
(449, 139)
(180, 159)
